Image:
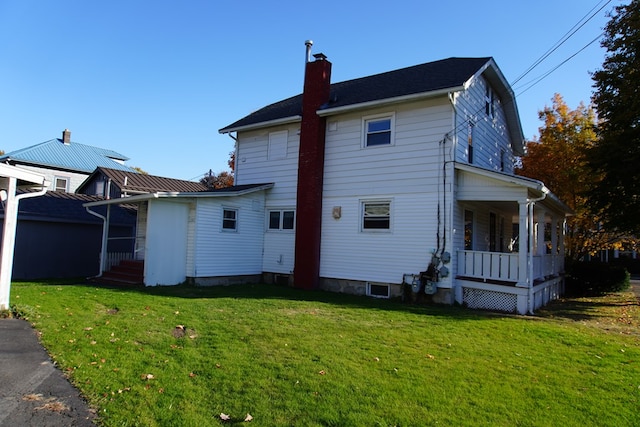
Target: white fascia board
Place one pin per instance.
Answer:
(22, 174)
(276, 122)
(389, 101)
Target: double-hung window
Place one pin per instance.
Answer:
(229, 219)
(376, 215)
(378, 130)
(282, 219)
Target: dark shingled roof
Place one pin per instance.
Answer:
(424, 78)
(57, 206)
(143, 183)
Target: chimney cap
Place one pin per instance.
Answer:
(320, 56)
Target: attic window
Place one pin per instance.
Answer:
(378, 130)
(61, 184)
(489, 102)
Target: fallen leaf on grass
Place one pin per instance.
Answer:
(147, 376)
(224, 417)
(322, 372)
(191, 374)
(430, 356)
(248, 418)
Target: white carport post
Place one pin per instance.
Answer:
(7, 246)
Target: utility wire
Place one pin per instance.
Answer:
(534, 82)
(586, 18)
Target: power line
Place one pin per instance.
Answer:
(586, 18)
(537, 80)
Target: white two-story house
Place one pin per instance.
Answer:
(392, 184)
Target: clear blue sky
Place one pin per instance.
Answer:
(155, 80)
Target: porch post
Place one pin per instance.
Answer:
(523, 242)
(523, 234)
(541, 248)
(563, 233)
(554, 244)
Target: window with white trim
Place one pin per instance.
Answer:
(378, 290)
(378, 130)
(61, 184)
(376, 215)
(229, 219)
(282, 219)
(278, 145)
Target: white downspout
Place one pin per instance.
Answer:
(9, 236)
(531, 203)
(105, 236)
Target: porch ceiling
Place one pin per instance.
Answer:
(475, 184)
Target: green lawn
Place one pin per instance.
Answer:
(181, 356)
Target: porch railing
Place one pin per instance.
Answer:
(505, 267)
(488, 265)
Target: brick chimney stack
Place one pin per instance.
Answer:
(317, 85)
(66, 136)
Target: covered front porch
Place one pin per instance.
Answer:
(510, 256)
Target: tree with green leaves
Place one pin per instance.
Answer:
(615, 158)
(559, 160)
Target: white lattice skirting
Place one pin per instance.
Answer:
(510, 299)
(490, 300)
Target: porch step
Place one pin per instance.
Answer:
(127, 272)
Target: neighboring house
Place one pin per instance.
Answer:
(113, 183)
(57, 238)
(400, 180)
(65, 164)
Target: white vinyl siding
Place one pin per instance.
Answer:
(253, 165)
(487, 133)
(407, 173)
(220, 253)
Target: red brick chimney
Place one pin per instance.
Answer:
(66, 136)
(317, 83)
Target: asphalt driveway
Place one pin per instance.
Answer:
(32, 391)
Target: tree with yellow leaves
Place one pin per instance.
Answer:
(559, 160)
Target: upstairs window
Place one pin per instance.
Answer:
(489, 102)
(282, 219)
(229, 219)
(61, 184)
(378, 130)
(376, 215)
